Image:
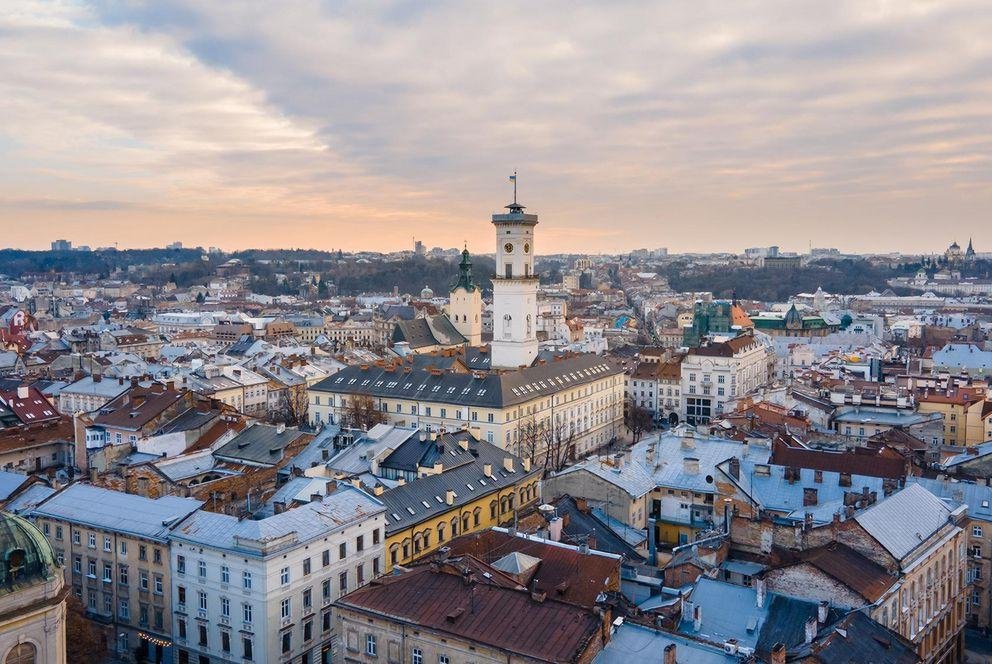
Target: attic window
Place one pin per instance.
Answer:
(470, 487)
(985, 503)
(426, 504)
(410, 510)
(396, 517)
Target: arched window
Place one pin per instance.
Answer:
(477, 516)
(507, 326)
(22, 653)
(454, 526)
(440, 532)
(465, 522)
(492, 510)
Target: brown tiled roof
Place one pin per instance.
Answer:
(137, 407)
(18, 438)
(960, 395)
(441, 599)
(564, 573)
(727, 348)
(659, 370)
(862, 575)
(898, 438)
(872, 462)
(31, 409)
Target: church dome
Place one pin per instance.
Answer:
(25, 554)
(427, 293)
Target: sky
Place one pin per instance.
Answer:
(697, 126)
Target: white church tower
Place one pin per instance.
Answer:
(465, 303)
(514, 288)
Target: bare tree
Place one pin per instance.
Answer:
(361, 413)
(529, 439)
(558, 438)
(636, 420)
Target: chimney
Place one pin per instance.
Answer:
(759, 593)
(487, 470)
(330, 487)
(279, 507)
(463, 443)
(845, 479)
(618, 460)
(689, 440)
(873, 497)
(508, 464)
(449, 497)
(526, 465)
(821, 612)
(690, 465)
(811, 629)
(280, 428)
(778, 653)
(316, 497)
(809, 496)
(697, 617)
(670, 654)
(735, 468)
(378, 490)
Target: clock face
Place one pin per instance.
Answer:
(508, 248)
(526, 248)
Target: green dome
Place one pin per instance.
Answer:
(25, 554)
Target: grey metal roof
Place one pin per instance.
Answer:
(905, 519)
(188, 420)
(10, 482)
(346, 506)
(487, 391)
(88, 505)
(636, 644)
(668, 466)
(259, 444)
(978, 497)
(425, 497)
(728, 612)
(29, 498)
(414, 453)
(632, 477)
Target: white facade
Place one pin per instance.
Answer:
(271, 594)
(514, 290)
(714, 376)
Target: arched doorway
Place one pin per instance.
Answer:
(673, 419)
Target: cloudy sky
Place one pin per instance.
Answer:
(693, 125)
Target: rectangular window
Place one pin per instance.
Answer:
(370, 645)
(361, 573)
(306, 566)
(307, 600)
(325, 621)
(143, 580)
(308, 630)
(417, 656)
(107, 545)
(123, 547)
(343, 582)
(181, 626)
(285, 608)
(246, 580)
(142, 552)
(225, 574)
(325, 557)
(360, 543)
(158, 584)
(181, 564)
(246, 612)
(246, 648)
(108, 575)
(284, 576)
(122, 575)
(342, 550)
(287, 641)
(203, 635)
(225, 607)
(202, 600)
(201, 569)
(375, 566)
(325, 590)
(91, 541)
(77, 564)
(225, 641)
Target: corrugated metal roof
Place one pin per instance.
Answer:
(978, 497)
(632, 477)
(905, 519)
(115, 511)
(637, 644)
(342, 508)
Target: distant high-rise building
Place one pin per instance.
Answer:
(61, 245)
(419, 248)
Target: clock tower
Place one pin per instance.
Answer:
(514, 288)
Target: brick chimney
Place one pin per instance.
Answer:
(670, 654)
(809, 496)
(778, 653)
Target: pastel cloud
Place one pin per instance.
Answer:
(357, 125)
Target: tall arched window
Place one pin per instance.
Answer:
(22, 653)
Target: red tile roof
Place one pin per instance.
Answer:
(860, 574)
(440, 598)
(873, 462)
(32, 408)
(564, 573)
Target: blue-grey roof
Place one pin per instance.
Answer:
(636, 644)
(261, 444)
(978, 497)
(10, 482)
(977, 452)
(744, 567)
(29, 498)
(905, 519)
(774, 492)
(125, 513)
(728, 612)
(668, 467)
(886, 417)
(357, 458)
(346, 506)
(633, 478)
(104, 387)
(966, 356)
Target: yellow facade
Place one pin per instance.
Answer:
(964, 424)
(485, 511)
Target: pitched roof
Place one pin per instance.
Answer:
(632, 477)
(137, 407)
(862, 575)
(262, 444)
(905, 520)
(857, 639)
(439, 598)
(871, 462)
(563, 572)
(428, 331)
